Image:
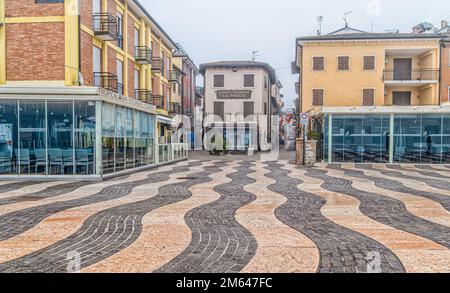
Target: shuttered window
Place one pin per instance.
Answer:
(219, 110)
(343, 63)
(249, 80)
(368, 97)
(219, 80)
(317, 97)
(369, 63)
(249, 109)
(318, 63)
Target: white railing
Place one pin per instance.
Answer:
(171, 152)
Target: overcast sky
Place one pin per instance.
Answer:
(215, 30)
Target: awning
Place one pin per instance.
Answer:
(167, 120)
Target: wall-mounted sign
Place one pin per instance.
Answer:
(234, 95)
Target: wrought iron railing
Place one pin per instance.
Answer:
(158, 101)
(157, 65)
(107, 81)
(175, 108)
(104, 26)
(144, 95)
(143, 55)
(173, 76)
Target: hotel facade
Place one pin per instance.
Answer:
(380, 97)
(87, 89)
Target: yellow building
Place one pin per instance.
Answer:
(374, 93)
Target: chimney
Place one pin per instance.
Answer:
(444, 24)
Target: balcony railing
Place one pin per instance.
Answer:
(158, 101)
(144, 96)
(175, 108)
(157, 64)
(235, 118)
(143, 55)
(411, 75)
(107, 81)
(174, 76)
(104, 26)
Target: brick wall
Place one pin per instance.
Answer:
(445, 73)
(87, 61)
(86, 12)
(112, 61)
(35, 51)
(27, 8)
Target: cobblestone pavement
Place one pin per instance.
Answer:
(213, 214)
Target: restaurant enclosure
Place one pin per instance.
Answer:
(86, 133)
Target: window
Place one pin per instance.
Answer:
(266, 82)
(219, 80)
(136, 40)
(318, 63)
(96, 6)
(97, 61)
(219, 110)
(249, 80)
(317, 97)
(265, 108)
(249, 109)
(136, 79)
(368, 97)
(119, 76)
(343, 63)
(449, 93)
(369, 63)
(120, 30)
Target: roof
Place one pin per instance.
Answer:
(240, 64)
(370, 36)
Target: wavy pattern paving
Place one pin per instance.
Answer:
(15, 223)
(440, 168)
(385, 210)
(388, 170)
(151, 251)
(288, 252)
(51, 191)
(108, 231)
(393, 185)
(16, 185)
(219, 243)
(341, 249)
(425, 170)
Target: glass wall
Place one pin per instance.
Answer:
(127, 138)
(418, 138)
(84, 137)
(8, 136)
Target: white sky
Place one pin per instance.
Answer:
(215, 30)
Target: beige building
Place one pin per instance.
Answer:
(378, 95)
(238, 100)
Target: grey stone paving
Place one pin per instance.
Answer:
(394, 185)
(109, 231)
(219, 243)
(385, 210)
(17, 222)
(341, 250)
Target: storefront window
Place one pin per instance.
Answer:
(431, 139)
(8, 137)
(84, 139)
(408, 138)
(108, 134)
(446, 139)
(120, 138)
(31, 156)
(59, 135)
(130, 145)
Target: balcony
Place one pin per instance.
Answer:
(107, 81)
(175, 108)
(158, 101)
(144, 96)
(174, 76)
(411, 77)
(105, 26)
(157, 65)
(143, 55)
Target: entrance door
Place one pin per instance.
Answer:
(401, 98)
(403, 69)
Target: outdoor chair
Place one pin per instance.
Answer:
(82, 159)
(56, 159)
(68, 159)
(23, 158)
(41, 159)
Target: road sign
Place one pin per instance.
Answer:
(304, 117)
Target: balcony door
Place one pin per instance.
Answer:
(96, 6)
(403, 69)
(401, 98)
(97, 65)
